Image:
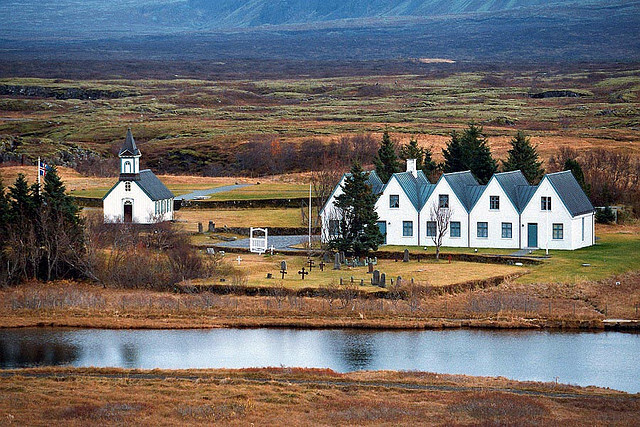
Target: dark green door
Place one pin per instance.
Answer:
(382, 225)
(532, 235)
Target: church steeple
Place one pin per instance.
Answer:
(129, 159)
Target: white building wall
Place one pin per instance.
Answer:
(394, 217)
(481, 212)
(580, 238)
(458, 213)
(143, 211)
(329, 212)
(558, 214)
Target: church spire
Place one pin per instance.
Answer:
(129, 159)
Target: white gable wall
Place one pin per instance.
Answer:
(507, 213)
(330, 212)
(143, 207)
(394, 217)
(458, 213)
(558, 214)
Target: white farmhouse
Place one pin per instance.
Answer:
(506, 213)
(138, 196)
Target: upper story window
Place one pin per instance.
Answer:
(545, 203)
(443, 201)
(127, 167)
(494, 202)
(394, 201)
(127, 186)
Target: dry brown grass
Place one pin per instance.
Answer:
(298, 397)
(508, 305)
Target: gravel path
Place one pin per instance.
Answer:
(278, 242)
(207, 192)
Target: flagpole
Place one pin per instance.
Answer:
(309, 216)
(38, 172)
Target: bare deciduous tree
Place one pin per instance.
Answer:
(442, 217)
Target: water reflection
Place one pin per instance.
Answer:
(605, 359)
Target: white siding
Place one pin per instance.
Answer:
(507, 213)
(458, 213)
(394, 217)
(329, 211)
(143, 207)
(545, 219)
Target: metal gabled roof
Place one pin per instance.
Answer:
(152, 186)
(510, 183)
(570, 192)
(524, 193)
(417, 188)
(465, 187)
(129, 148)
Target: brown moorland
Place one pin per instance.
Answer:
(292, 396)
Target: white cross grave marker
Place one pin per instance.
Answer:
(238, 259)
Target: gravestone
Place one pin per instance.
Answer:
(336, 262)
(326, 257)
(399, 281)
(383, 280)
(212, 226)
(406, 256)
(341, 283)
(375, 279)
(370, 270)
(200, 227)
(361, 282)
(283, 268)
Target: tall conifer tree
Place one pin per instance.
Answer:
(386, 161)
(470, 151)
(359, 232)
(523, 156)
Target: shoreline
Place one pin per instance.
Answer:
(213, 322)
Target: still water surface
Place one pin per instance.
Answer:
(606, 359)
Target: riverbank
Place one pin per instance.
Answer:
(275, 396)
(581, 306)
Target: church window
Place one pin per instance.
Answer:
(127, 186)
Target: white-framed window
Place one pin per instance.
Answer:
(127, 186)
(558, 231)
(454, 230)
(483, 229)
(545, 203)
(443, 201)
(494, 203)
(394, 201)
(507, 230)
(407, 228)
(431, 228)
(127, 167)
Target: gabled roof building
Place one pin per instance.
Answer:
(139, 196)
(506, 213)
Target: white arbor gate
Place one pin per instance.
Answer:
(258, 240)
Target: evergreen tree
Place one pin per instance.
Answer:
(470, 151)
(423, 158)
(386, 161)
(22, 204)
(524, 157)
(5, 211)
(61, 204)
(359, 232)
(575, 168)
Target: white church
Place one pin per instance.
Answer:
(507, 213)
(138, 196)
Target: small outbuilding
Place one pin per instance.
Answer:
(138, 196)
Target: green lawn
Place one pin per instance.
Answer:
(264, 191)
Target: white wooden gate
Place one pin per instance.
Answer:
(258, 243)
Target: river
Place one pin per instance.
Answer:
(605, 359)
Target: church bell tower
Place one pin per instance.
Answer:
(129, 159)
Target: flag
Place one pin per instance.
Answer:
(43, 168)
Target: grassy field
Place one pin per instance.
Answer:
(298, 397)
(263, 217)
(256, 268)
(213, 118)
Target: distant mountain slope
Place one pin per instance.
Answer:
(103, 18)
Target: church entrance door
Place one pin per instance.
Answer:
(128, 212)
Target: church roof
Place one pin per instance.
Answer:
(129, 147)
(152, 186)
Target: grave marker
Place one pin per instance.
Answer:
(336, 262)
(383, 280)
(303, 273)
(405, 258)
